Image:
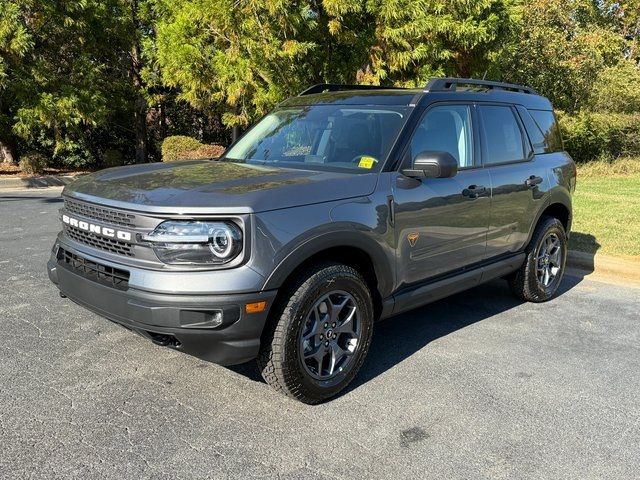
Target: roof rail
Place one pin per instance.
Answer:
(337, 87)
(447, 83)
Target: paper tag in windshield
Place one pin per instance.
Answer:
(367, 162)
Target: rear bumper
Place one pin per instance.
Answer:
(174, 320)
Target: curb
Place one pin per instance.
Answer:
(36, 182)
(606, 265)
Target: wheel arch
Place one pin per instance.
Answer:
(351, 248)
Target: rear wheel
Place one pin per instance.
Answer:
(539, 277)
(319, 335)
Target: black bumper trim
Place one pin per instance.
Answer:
(156, 316)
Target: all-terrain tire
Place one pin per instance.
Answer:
(279, 359)
(524, 283)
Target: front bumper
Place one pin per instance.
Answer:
(171, 319)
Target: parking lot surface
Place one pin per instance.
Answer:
(479, 385)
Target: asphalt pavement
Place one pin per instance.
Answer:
(476, 386)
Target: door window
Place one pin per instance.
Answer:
(446, 128)
(503, 139)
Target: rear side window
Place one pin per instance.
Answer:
(548, 126)
(503, 140)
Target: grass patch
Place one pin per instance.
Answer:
(622, 166)
(606, 210)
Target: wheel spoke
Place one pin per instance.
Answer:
(554, 258)
(333, 358)
(336, 308)
(348, 324)
(316, 327)
(330, 335)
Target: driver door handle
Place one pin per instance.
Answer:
(473, 191)
(532, 181)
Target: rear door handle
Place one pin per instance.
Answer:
(532, 181)
(473, 191)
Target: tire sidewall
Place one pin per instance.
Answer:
(551, 226)
(300, 310)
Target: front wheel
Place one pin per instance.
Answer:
(319, 335)
(539, 277)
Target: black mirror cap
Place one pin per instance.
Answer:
(432, 165)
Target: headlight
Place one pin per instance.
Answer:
(196, 243)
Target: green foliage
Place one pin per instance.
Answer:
(82, 78)
(589, 136)
(617, 89)
(180, 147)
(33, 163)
(112, 158)
(558, 47)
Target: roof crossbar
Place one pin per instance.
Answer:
(448, 83)
(337, 87)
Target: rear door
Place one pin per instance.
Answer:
(441, 223)
(518, 181)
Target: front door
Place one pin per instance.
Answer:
(441, 223)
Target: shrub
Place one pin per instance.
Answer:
(180, 147)
(209, 151)
(607, 168)
(588, 136)
(33, 163)
(617, 89)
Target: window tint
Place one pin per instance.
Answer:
(503, 140)
(446, 128)
(546, 122)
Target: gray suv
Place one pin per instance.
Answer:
(343, 206)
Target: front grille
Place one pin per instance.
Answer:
(107, 244)
(103, 274)
(105, 215)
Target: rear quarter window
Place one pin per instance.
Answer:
(543, 130)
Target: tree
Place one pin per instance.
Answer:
(417, 39)
(559, 48)
(61, 70)
(15, 43)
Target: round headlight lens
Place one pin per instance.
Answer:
(196, 242)
(221, 242)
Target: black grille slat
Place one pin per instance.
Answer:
(102, 214)
(103, 274)
(107, 244)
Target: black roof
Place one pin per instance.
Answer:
(438, 89)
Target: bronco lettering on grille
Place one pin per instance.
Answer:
(99, 229)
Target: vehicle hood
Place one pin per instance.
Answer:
(223, 186)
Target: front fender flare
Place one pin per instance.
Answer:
(381, 258)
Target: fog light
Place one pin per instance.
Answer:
(200, 318)
(256, 307)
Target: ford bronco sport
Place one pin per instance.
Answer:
(345, 205)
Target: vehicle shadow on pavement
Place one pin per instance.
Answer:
(397, 338)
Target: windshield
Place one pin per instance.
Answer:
(322, 137)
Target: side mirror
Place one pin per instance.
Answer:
(432, 165)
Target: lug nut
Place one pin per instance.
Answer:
(335, 335)
(334, 325)
(321, 336)
(326, 344)
(326, 325)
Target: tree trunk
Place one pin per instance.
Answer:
(140, 106)
(162, 107)
(7, 152)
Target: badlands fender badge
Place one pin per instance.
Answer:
(413, 238)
